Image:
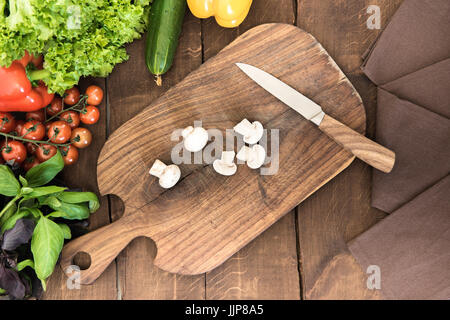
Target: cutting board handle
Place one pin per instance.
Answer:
(102, 245)
(363, 148)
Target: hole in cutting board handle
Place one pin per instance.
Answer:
(82, 260)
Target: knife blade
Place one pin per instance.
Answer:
(283, 92)
(363, 148)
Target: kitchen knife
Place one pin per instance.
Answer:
(363, 148)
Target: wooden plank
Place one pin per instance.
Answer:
(265, 269)
(83, 175)
(131, 88)
(341, 210)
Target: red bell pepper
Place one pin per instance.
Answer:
(16, 90)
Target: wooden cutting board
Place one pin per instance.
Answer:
(206, 217)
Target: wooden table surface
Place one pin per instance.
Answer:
(304, 255)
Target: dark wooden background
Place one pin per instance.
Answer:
(302, 256)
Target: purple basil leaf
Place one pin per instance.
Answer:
(20, 234)
(11, 283)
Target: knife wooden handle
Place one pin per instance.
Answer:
(363, 148)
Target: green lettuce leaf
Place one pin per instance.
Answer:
(77, 38)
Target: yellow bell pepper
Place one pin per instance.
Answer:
(228, 13)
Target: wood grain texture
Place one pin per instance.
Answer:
(132, 88)
(363, 148)
(82, 175)
(342, 279)
(206, 218)
(341, 209)
(266, 268)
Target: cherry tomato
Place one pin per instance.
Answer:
(95, 95)
(19, 126)
(72, 96)
(59, 132)
(38, 115)
(33, 130)
(45, 152)
(72, 118)
(14, 151)
(90, 115)
(30, 162)
(81, 138)
(55, 106)
(31, 147)
(69, 154)
(7, 122)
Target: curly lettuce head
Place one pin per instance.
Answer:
(77, 38)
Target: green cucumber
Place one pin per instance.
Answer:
(166, 21)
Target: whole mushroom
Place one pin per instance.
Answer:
(168, 175)
(195, 139)
(252, 131)
(254, 156)
(225, 165)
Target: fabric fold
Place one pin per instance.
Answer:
(421, 141)
(417, 36)
(428, 87)
(411, 247)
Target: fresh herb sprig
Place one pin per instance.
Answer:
(34, 211)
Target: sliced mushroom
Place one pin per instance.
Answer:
(195, 139)
(225, 165)
(254, 156)
(168, 175)
(252, 132)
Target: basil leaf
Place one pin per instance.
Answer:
(23, 213)
(2, 291)
(8, 214)
(25, 263)
(70, 211)
(26, 190)
(18, 235)
(66, 230)
(11, 222)
(79, 197)
(45, 172)
(9, 186)
(11, 282)
(23, 181)
(46, 245)
(50, 201)
(43, 191)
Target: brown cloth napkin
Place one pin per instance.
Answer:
(429, 87)
(410, 64)
(412, 247)
(417, 36)
(421, 141)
